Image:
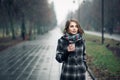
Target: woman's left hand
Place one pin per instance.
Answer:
(71, 47)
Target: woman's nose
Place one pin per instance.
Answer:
(74, 27)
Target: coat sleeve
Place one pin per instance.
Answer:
(84, 51)
(84, 54)
(61, 52)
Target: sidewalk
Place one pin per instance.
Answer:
(32, 60)
(106, 35)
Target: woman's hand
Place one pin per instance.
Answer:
(71, 47)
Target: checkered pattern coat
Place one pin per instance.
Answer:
(73, 67)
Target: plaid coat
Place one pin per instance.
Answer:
(73, 67)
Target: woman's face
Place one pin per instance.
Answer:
(73, 29)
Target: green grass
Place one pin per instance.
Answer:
(101, 56)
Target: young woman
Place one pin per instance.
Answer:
(71, 52)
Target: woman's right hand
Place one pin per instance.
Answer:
(71, 47)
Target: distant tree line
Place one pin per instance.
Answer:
(89, 15)
(26, 17)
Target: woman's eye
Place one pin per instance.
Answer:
(76, 26)
(71, 26)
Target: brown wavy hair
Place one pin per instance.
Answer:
(80, 30)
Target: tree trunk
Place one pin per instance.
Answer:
(23, 29)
